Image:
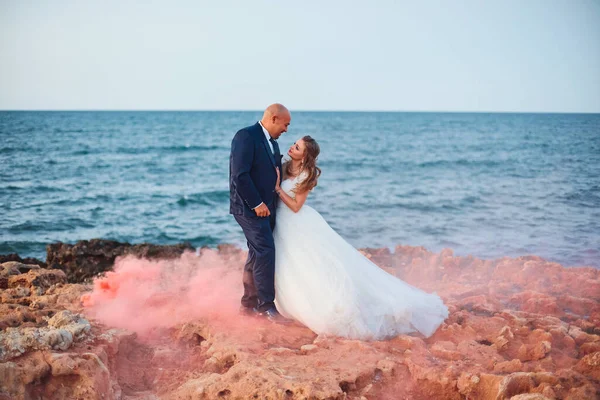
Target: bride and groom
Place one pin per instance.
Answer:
(297, 264)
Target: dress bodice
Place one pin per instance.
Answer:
(289, 184)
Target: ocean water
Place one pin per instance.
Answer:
(490, 185)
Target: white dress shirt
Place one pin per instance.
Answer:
(268, 136)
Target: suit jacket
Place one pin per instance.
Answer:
(252, 173)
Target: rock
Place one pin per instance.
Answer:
(308, 348)
(581, 337)
(89, 377)
(386, 366)
(193, 333)
(535, 302)
(324, 342)
(590, 347)
(445, 350)
(483, 386)
(408, 342)
(222, 358)
(14, 315)
(19, 267)
(60, 333)
(479, 353)
(86, 259)
(250, 381)
(41, 279)
(523, 382)
(480, 304)
(583, 392)
(9, 268)
(281, 351)
(534, 352)
(17, 378)
(589, 365)
(72, 323)
(578, 305)
(507, 367)
(4, 258)
(530, 396)
(381, 257)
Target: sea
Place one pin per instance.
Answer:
(483, 184)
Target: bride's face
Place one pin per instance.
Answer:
(296, 151)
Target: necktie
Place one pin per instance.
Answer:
(276, 152)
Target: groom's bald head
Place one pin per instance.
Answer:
(276, 109)
(276, 119)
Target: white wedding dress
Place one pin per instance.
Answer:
(326, 284)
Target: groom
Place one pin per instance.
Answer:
(254, 156)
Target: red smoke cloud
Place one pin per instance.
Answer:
(143, 295)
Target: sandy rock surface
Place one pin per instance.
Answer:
(518, 329)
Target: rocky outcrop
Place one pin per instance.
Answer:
(88, 258)
(26, 261)
(38, 325)
(518, 329)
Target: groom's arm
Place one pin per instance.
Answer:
(242, 156)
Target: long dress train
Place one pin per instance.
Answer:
(326, 284)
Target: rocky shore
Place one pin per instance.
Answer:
(519, 328)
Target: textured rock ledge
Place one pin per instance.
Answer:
(519, 328)
(88, 258)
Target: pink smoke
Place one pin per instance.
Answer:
(143, 296)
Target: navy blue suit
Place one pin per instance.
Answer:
(252, 179)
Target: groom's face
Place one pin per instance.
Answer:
(280, 124)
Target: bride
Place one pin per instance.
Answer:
(324, 282)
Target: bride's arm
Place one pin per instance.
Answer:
(295, 204)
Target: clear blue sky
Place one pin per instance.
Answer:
(510, 55)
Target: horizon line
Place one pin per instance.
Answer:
(299, 110)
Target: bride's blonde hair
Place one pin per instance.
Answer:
(309, 165)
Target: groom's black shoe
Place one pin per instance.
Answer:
(273, 315)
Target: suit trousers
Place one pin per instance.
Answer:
(259, 271)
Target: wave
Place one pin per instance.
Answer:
(102, 198)
(461, 162)
(81, 152)
(35, 189)
(353, 165)
(196, 241)
(589, 197)
(414, 193)
(170, 149)
(206, 198)
(441, 207)
(63, 130)
(9, 150)
(50, 226)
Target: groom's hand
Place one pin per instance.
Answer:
(262, 210)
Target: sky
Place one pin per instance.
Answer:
(496, 55)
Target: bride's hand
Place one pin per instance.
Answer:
(278, 181)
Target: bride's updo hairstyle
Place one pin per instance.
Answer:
(309, 165)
